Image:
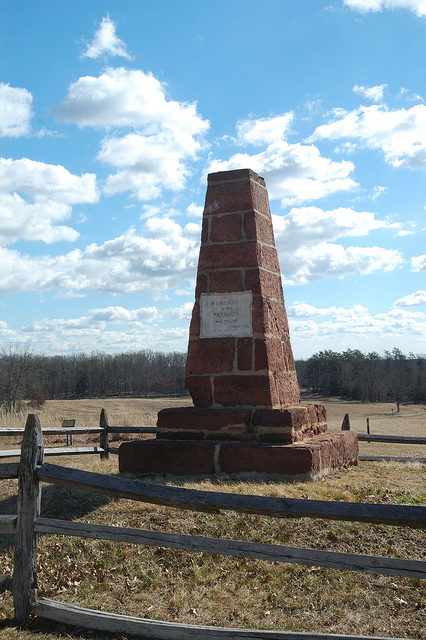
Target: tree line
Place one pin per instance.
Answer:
(33, 378)
(393, 377)
(25, 376)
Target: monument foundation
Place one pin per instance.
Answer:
(247, 419)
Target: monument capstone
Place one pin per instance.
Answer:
(247, 419)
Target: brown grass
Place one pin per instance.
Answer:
(208, 589)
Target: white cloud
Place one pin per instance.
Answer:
(146, 163)
(418, 263)
(37, 221)
(375, 94)
(40, 180)
(184, 312)
(15, 111)
(412, 299)
(321, 261)
(60, 335)
(124, 265)
(127, 98)
(106, 42)
(303, 310)
(263, 130)
(120, 315)
(35, 196)
(166, 133)
(400, 134)
(358, 323)
(305, 226)
(294, 173)
(416, 6)
(194, 211)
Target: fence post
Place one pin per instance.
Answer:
(346, 426)
(103, 439)
(25, 588)
(368, 425)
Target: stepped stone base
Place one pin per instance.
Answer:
(308, 460)
(288, 425)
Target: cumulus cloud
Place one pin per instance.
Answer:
(60, 335)
(358, 323)
(323, 260)
(127, 264)
(375, 94)
(106, 42)
(364, 6)
(120, 315)
(418, 263)
(412, 299)
(165, 133)
(15, 111)
(306, 226)
(146, 164)
(184, 312)
(400, 134)
(294, 173)
(33, 221)
(35, 197)
(37, 179)
(127, 98)
(263, 130)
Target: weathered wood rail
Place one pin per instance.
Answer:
(28, 526)
(369, 437)
(103, 450)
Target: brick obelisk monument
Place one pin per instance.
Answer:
(247, 419)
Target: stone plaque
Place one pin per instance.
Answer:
(226, 315)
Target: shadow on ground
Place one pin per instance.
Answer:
(57, 502)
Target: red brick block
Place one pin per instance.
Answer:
(259, 196)
(226, 281)
(187, 418)
(269, 259)
(259, 227)
(226, 228)
(248, 391)
(200, 390)
(205, 230)
(287, 387)
(263, 282)
(245, 354)
(227, 198)
(194, 327)
(290, 418)
(269, 316)
(212, 355)
(161, 456)
(231, 256)
(283, 460)
(202, 285)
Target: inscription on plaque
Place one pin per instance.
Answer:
(226, 315)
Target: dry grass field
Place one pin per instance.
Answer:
(205, 589)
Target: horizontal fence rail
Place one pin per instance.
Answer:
(213, 502)
(259, 551)
(114, 623)
(370, 437)
(104, 429)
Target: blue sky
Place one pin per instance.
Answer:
(113, 113)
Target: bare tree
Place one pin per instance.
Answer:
(17, 364)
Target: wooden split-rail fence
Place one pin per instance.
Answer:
(69, 430)
(27, 526)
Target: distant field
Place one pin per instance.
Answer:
(207, 589)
